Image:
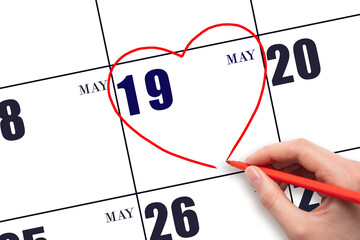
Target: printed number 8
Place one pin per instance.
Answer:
(9, 113)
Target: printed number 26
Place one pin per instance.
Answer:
(180, 218)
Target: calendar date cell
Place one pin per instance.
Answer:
(204, 209)
(321, 100)
(61, 135)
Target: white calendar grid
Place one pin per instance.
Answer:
(138, 197)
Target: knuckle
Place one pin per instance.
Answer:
(302, 143)
(300, 147)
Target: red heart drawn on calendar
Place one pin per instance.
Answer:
(181, 54)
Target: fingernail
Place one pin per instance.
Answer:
(253, 177)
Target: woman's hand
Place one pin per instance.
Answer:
(334, 218)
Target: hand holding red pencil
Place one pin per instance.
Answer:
(311, 184)
(334, 218)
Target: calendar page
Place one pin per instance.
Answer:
(117, 117)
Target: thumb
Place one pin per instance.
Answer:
(274, 199)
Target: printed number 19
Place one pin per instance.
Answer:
(151, 78)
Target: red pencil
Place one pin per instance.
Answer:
(313, 185)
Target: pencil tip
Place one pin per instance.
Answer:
(228, 162)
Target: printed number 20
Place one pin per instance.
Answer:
(179, 217)
(300, 61)
(164, 90)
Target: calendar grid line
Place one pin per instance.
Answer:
(267, 80)
(189, 49)
(119, 197)
(269, 90)
(160, 55)
(66, 208)
(190, 182)
(310, 24)
(121, 63)
(121, 123)
(347, 150)
(273, 109)
(142, 192)
(52, 77)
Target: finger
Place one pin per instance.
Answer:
(281, 165)
(274, 200)
(301, 171)
(312, 157)
(283, 186)
(289, 169)
(322, 195)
